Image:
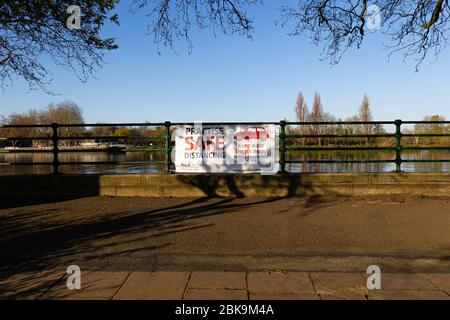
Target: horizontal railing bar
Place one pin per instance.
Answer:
(337, 148)
(85, 138)
(425, 122)
(124, 124)
(109, 162)
(426, 134)
(307, 123)
(157, 124)
(111, 138)
(48, 150)
(87, 162)
(427, 161)
(79, 163)
(25, 126)
(24, 163)
(163, 124)
(25, 138)
(340, 135)
(145, 149)
(220, 123)
(339, 161)
(142, 162)
(426, 148)
(63, 150)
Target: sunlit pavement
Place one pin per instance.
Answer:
(215, 234)
(176, 248)
(200, 285)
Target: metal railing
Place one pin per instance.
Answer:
(53, 135)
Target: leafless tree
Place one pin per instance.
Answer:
(317, 115)
(431, 128)
(65, 113)
(365, 115)
(302, 115)
(22, 132)
(34, 31)
(301, 109)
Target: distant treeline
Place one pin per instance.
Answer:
(69, 112)
(317, 115)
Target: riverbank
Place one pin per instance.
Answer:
(227, 185)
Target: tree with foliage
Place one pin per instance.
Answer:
(122, 132)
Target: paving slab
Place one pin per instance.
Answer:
(406, 281)
(269, 296)
(160, 285)
(340, 286)
(408, 295)
(349, 293)
(280, 282)
(337, 279)
(217, 280)
(208, 294)
(94, 285)
(442, 281)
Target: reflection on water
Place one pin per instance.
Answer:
(366, 156)
(147, 162)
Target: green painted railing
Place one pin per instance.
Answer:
(397, 148)
(166, 146)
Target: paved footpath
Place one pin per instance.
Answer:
(191, 240)
(248, 234)
(204, 285)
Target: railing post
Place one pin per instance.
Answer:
(55, 149)
(398, 145)
(282, 146)
(168, 145)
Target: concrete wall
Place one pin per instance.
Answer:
(196, 185)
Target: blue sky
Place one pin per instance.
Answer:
(231, 78)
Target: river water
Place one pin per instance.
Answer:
(146, 162)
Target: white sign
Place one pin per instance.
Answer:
(227, 148)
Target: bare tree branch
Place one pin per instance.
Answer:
(171, 20)
(34, 31)
(415, 27)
